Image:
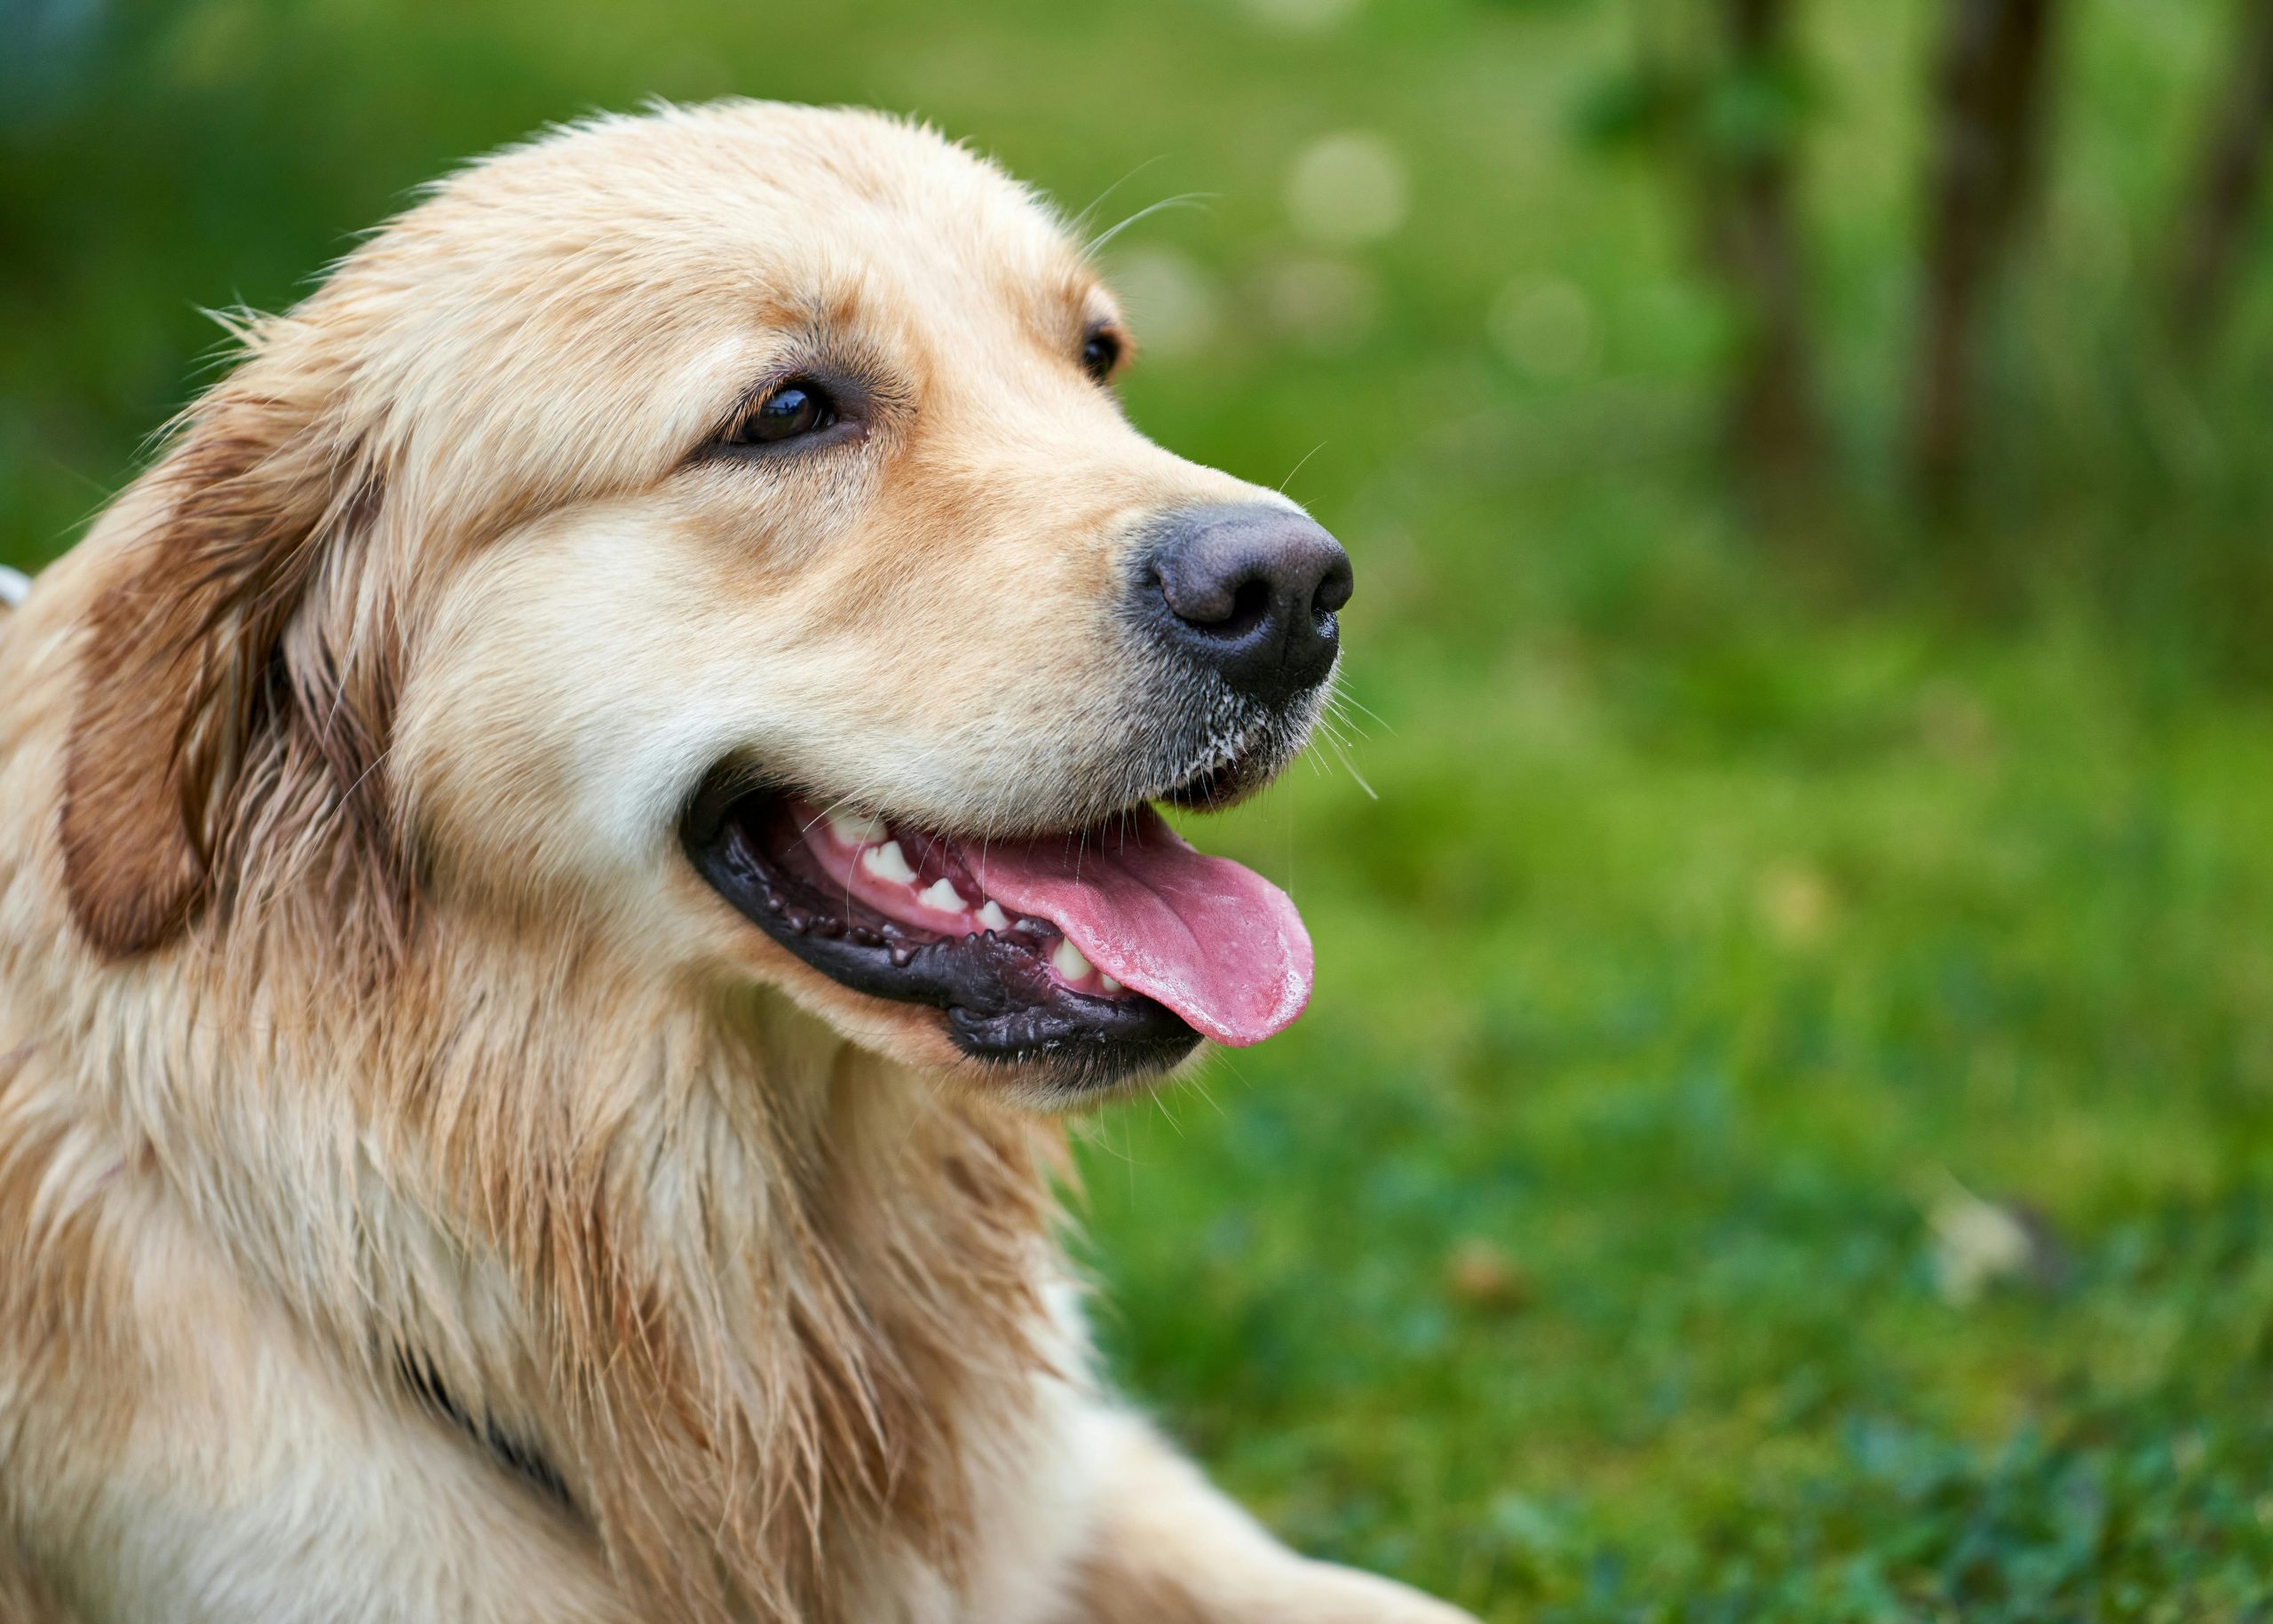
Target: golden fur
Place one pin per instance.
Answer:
(420, 1197)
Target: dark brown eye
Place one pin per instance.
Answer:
(796, 408)
(1100, 353)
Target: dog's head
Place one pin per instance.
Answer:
(714, 536)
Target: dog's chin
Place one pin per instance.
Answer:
(901, 914)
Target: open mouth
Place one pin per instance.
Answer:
(1107, 952)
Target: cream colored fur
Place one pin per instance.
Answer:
(358, 1006)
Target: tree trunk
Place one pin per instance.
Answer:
(2229, 178)
(1773, 429)
(1990, 94)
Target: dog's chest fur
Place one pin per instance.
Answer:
(342, 1314)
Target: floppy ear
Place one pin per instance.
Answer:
(210, 708)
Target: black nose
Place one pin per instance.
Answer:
(1251, 591)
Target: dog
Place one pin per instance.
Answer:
(563, 852)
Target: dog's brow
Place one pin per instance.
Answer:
(841, 306)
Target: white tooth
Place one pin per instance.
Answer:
(941, 896)
(888, 862)
(1107, 982)
(993, 917)
(854, 828)
(1069, 961)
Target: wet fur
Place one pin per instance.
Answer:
(420, 1197)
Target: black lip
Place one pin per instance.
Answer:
(994, 991)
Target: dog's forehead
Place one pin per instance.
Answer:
(572, 315)
(801, 202)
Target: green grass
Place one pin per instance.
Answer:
(1726, 901)
(1690, 998)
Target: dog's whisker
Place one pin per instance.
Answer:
(1341, 700)
(1182, 200)
(1349, 765)
(1299, 465)
(1081, 221)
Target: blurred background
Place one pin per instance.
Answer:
(1785, 1131)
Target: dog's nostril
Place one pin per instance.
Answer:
(1250, 603)
(1202, 593)
(1251, 593)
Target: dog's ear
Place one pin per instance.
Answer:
(211, 706)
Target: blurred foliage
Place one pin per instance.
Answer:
(1724, 894)
(1691, 96)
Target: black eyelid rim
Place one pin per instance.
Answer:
(1124, 345)
(774, 382)
(856, 393)
(798, 383)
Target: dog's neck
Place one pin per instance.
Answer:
(784, 1282)
(741, 1296)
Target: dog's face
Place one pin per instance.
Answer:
(784, 598)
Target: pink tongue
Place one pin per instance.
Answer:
(1218, 944)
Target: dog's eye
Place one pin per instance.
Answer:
(1100, 353)
(796, 408)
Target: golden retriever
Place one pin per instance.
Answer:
(554, 852)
